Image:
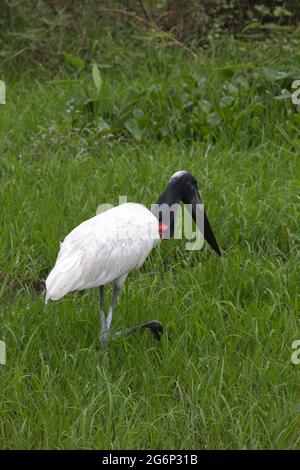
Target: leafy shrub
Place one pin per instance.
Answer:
(189, 107)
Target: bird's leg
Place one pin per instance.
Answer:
(154, 326)
(102, 315)
(126, 332)
(105, 336)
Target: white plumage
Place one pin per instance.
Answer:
(103, 249)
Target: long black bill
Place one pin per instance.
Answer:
(208, 232)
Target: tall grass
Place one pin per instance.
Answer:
(222, 375)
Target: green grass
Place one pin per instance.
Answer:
(222, 375)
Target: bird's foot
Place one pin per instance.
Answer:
(106, 358)
(104, 337)
(155, 327)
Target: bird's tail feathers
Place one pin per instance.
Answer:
(62, 279)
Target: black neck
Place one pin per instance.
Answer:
(168, 198)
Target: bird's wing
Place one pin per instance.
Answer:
(102, 249)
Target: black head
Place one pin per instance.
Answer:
(183, 187)
(185, 184)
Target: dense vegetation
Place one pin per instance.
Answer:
(111, 98)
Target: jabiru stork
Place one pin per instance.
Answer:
(107, 247)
